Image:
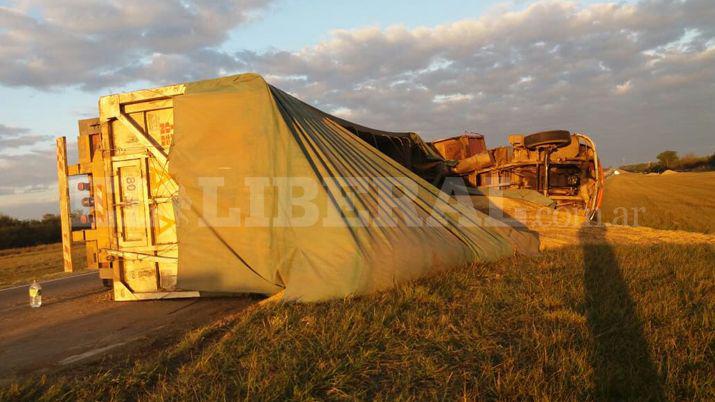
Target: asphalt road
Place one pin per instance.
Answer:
(79, 323)
(51, 290)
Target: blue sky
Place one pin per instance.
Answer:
(637, 76)
(310, 24)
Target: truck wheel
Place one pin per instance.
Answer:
(108, 283)
(559, 138)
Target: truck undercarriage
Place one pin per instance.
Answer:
(558, 164)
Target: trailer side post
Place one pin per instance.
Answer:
(63, 188)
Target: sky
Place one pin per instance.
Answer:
(638, 76)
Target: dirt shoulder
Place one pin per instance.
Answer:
(78, 323)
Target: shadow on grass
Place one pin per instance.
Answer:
(622, 364)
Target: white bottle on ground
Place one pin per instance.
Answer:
(35, 294)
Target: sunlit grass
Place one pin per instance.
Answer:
(22, 265)
(682, 201)
(626, 322)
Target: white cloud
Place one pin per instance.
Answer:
(343, 112)
(553, 64)
(13, 139)
(624, 88)
(458, 97)
(96, 44)
(28, 169)
(28, 178)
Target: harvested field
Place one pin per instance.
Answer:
(678, 201)
(562, 227)
(22, 265)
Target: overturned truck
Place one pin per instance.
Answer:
(560, 165)
(233, 186)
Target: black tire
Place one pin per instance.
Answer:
(559, 138)
(108, 283)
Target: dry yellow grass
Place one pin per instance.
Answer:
(604, 313)
(584, 322)
(564, 227)
(21, 265)
(678, 201)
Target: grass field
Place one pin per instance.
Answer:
(21, 265)
(583, 322)
(682, 201)
(608, 313)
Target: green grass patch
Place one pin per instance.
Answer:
(584, 322)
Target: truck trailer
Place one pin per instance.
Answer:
(133, 202)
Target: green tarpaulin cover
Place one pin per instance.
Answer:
(277, 195)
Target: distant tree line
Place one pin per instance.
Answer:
(669, 160)
(29, 232)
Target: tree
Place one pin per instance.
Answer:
(50, 218)
(668, 158)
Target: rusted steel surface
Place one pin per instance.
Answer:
(558, 164)
(460, 147)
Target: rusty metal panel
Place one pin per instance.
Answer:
(87, 142)
(460, 147)
(160, 126)
(568, 152)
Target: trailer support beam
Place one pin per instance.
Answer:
(63, 188)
